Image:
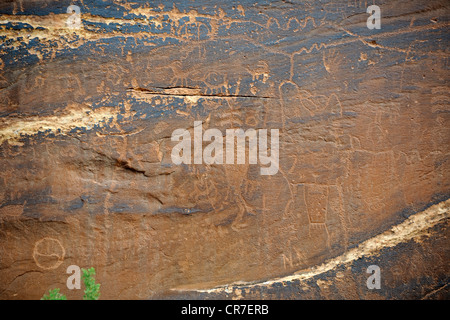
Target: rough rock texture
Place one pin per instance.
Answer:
(86, 118)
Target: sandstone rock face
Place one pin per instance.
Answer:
(87, 117)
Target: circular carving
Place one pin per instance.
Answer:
(48, 253)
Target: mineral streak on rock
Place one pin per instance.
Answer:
(13, 128)
(87, 115)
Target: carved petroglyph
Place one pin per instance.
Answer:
(414, 228)
(48, 253)
(86, 117)
(316, 203)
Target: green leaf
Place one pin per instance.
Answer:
(54, 295)
(92, 291)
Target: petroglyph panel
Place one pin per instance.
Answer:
(86, 122)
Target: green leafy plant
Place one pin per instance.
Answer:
(92, 291)
(54, 295)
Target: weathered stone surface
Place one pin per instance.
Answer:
(87, 115)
